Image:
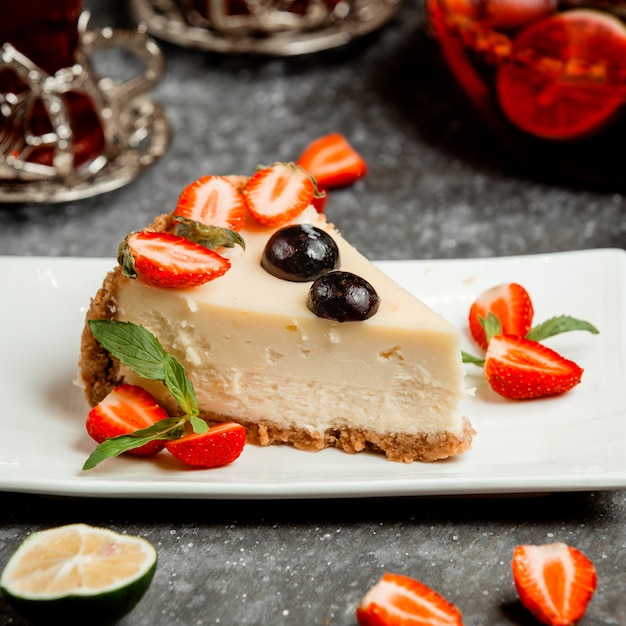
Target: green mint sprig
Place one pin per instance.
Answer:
(551, 327)
(557, 325)
(138, 349)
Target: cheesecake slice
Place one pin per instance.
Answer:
(258, 355)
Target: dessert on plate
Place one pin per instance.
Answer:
(297, 336)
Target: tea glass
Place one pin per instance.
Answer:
(66, 133)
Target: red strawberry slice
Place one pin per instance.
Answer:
(319, 201)
(563, 79)
(510, 303)
(332, 161)
(520, 369)
(124, 410)
(218, 446)
(166, 260)
(278, 193)
(213, 201)
(555, 582)
(397, 600)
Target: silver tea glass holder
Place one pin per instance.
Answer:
(264, 27)
(135, 129)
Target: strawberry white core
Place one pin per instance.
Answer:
(540, 559)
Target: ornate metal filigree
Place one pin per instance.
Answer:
(274, 27)
(135, 130)
(17, 141)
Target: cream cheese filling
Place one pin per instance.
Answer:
(253, 349)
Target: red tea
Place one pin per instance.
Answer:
(46, 32)
(547, 77)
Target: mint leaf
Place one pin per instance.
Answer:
(208, 236)
(138, 349)
(169, 428)
(198, 425)
(179, 385)
(491, 324)
(557, 325)
(469, 358)
(133, 345)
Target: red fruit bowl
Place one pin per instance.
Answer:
(546, 77)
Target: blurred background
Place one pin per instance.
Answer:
(438, 186)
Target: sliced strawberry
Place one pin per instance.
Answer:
(332, 161)
(278, 193)
(510, 303)
(555, 582)
(166, 260)
(213, 201)
(124, 410)
(219, 445)
(397, 600)
(563, 79)
(521, 369)
(319, 201)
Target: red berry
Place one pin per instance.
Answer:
(332, 161)
(520, 369)
(218, 446)
(278, 193)
(124, 410)
(555, 582)
(213, 201)
(166, 260)
(398, 600)
(510, 303)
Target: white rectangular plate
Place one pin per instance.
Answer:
(573, 442)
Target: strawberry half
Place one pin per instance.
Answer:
(520, 369)
(219, 445)
(319, 200)
(278, 193)
(213, 201)
(397, 600)
(166, 260)
(510, 303)
(555, 582)
(124, 410)
(332, 161)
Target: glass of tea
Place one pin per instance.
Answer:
(547, 77)
(57, 119)
(46, 32)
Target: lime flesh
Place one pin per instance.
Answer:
(78, 574)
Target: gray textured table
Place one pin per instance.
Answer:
(438, 188)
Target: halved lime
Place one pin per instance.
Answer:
(78, 574)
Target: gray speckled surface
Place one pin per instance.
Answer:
(438, 187)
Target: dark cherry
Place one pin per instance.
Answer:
(300, 253)
(342, 296)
